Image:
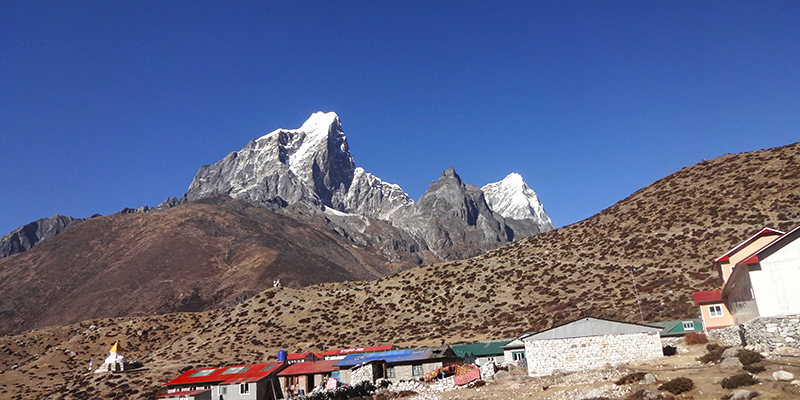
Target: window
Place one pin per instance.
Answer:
(715, 311)
(517, 355)
(236, 370)
(688, 325)
(390, 372)
(202, 372)
(489, 358)
(416, 370)
(244, 388)
(223, 390)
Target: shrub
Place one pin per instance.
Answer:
(677, 385)
(714, 353)
(738, 380)
(630, 378)
(695, 338)
(748, 357)
(754, 368)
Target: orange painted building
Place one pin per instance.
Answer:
(713, 306)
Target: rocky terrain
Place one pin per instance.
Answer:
(27, 236)
(666, 235)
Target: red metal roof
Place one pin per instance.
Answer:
(227, 375)
(300, 356)
(308, 368)
(765, 251)
(342, 352)
(726, 256)
(706, 296)
(184, 393)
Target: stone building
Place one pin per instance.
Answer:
(307, 375)
(481, 353)
(411, 364)
(590, 343)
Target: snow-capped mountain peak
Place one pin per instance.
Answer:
(512, 198)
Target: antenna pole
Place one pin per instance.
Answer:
(636, 292)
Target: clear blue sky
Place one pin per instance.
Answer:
(112, 104)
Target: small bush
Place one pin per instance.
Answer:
(738, 380)
(714, 353)
(695, 338)
(754, 368)
(748, 357)
(677, 385)
(630, 378)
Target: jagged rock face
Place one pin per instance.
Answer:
(451, 214)
(27, 236)
(311, 168)
(512, 198)
(309, 164)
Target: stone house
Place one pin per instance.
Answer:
(514, 351)
(307, 375)
(480, 353)
(240, 382)
(411, 364)
(713, 306)
(760, 278)
(590, 343)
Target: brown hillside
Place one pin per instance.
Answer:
(192, 257)
(670, 231)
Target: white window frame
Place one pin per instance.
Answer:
(518, 355)
(715, 311)
(417, 370)
(688, 325)
(244, 388)
(223, 389)
(390, 372)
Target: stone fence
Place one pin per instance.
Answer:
(763, 333)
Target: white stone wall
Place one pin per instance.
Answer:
(768, 333)
(545, 357)
(363, 373)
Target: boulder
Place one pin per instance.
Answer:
(782, 376)
(729, 353)
(731, 362)
(648, 379)
(743, 394)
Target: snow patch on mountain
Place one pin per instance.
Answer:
(512, 198)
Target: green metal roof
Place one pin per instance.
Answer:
(675, 328)
(479, 349)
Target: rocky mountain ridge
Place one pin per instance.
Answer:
(310, 170)
(28, 235)
(311, 167)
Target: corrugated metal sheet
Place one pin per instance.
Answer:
(342, 352)
(398, 356)
(224, 376)
(308, 368)
(590, 327)
(479, 349)
(707, 295)
(460, 380)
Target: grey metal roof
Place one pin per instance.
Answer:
(590, 327)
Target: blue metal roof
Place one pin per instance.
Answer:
(397, 356)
